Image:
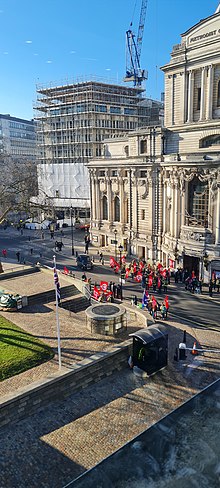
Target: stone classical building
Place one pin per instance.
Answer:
(157, 191)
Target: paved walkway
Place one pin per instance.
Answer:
(54, 446)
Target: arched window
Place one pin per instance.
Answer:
(105, 208)
(143, 146)
(117, 209)
(198, 199)
(210, 141)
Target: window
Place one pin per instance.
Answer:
(101, 173)
(117, 209)
(198, 202)
(198, 98)
(143, 174)
(218, 94)
(142, 214)
(126, 151)
(143, 146)
(210, 141)
(115, 110)
(105, 208)
(114, 172)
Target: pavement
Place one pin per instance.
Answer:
(52, 447)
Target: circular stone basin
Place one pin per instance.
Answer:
(105, 310)
(106, 319)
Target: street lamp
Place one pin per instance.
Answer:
(115, 241)
(204, 263)
(120, 248)
(176, 252)
(71, 217)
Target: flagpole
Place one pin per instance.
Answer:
(57, 318)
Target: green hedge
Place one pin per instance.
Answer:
(19, 351)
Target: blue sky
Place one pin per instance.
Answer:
(53, 41)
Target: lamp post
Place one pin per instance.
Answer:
(71, 217)
(176, 252)
(204, 263)
(120, 248)
(115, 241)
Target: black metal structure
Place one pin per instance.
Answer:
(150, 348)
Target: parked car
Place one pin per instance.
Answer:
(84, 262)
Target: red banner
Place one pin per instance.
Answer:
(138, 277)
(171, 263)
(112, 262)
(103, 285)
(127, 273)
(96, 293)
(150, 281)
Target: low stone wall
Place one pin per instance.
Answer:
(15, 272)
(38, 395)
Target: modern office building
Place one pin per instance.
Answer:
(17, 137)
(157, 192)
(72, 122)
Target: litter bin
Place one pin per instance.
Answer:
(150, 348)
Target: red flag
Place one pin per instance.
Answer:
(164, 273)
(135, 267)
(138, 277)
(166, 302)
(127, 271)
(117, 267)
(158, 282)
(123, 259)
(112, 262)
(103, 285)
(150, 280)
(65, 270)
(141, 266)
(96, 293)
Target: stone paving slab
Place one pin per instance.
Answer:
(57, 444)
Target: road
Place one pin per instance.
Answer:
(200, 310)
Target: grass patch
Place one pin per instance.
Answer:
(19, 350)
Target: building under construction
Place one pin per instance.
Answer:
(72, 122)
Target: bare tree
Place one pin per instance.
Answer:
(18, 183)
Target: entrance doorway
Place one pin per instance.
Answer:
(191, 263)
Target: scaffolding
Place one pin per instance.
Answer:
(72, 121)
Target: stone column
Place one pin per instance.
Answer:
(202, 102)
(172, 100)
(121, 194)
(109, 197)
(134, 201)
(190, 96)
(183, 99)
(172, 210)
(93, 198)
(175, 212)
(217, 230)
(98, 203)
(209, 104)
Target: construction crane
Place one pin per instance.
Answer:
(133, 51)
